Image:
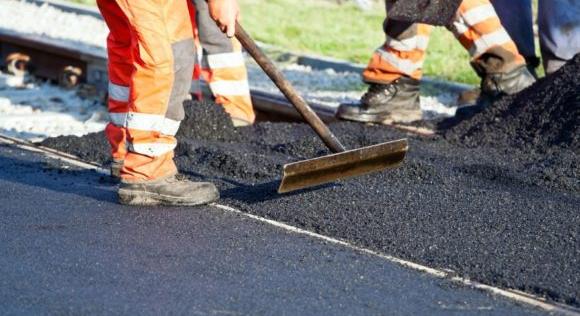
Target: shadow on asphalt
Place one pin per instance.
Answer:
(88, 183)
(57, 178)
(268, 191)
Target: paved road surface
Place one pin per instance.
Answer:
(67, 248)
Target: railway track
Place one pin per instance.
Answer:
(69, 67)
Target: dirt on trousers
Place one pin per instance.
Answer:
(485, 202)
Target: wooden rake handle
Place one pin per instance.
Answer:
(288, 90)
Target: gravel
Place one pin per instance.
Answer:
(33, 110)
(83, 32)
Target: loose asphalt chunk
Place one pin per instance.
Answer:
(497, 210)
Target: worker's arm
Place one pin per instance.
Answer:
(225, 13)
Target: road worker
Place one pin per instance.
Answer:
(151, 60)
(223, 68)
(395, 69)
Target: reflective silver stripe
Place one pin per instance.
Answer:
(118, 119)
(169, 127)
(151, 149)
(225, 60)
(409, 44)
(118, 93)
(478, 14)
(459, 26)
(404, 65)
(145, 122)
(226, 87)
(488, 41)
(152, 122)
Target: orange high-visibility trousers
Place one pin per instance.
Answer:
(222, 67)
(151, 57)
(476, 26)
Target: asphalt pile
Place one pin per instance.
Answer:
(499, 214)
(542, 117)
(92, 147)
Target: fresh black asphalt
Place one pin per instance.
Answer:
(67, 248)
(495, 199)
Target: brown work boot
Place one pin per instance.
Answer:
(173, 190)
(496, 85)
(397, 101)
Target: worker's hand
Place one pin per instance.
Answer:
(225, 13)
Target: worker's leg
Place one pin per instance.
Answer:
(480, 31)
(223, 67)
(402, 54)
(559, 28)
(494, 54)
(163, 62)
(163, 55)
(393, 75)
(120, 70)
(516, 17)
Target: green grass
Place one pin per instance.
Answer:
(340, 31)
(344, 32)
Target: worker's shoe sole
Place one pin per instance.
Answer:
(171, 191)
(404, 116)
(237, 122)
(348, 112)
(353, 112)
(131, 197)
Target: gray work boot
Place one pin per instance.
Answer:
(173, 190)
(496, 85)
(397, 101)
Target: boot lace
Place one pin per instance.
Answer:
(374, 90)
(177, 178)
